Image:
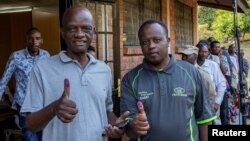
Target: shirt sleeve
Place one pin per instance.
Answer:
(220, 84)
(8, 72)
(128, 97)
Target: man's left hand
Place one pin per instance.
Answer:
(113, 131)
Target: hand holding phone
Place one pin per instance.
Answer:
(123, 124)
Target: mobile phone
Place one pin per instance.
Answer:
(123, 124)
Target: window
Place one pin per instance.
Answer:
(183, 24)
(135, 12)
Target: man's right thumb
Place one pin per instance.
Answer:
(66, 87)
(140, 107)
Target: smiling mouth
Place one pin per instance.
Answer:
(80, 43)
(153, 53)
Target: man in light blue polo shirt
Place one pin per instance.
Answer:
(69, 95)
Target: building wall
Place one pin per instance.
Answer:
(13, 27)
(47, 20)
(131, 57)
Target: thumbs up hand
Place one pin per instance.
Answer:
(64, 108)
(140, 125)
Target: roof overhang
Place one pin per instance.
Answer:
(225, 4)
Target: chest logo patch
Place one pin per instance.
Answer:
(179, 92)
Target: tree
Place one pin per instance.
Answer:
(220, 23)
(246, 24)
(206, 15)
(223, 25)
(204, 32)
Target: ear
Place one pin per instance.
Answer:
(62, 33)
(42, 41)
(168, 40)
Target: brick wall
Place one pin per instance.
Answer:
(131, 57)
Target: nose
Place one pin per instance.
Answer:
(151, 44)
(34, 41)
(79, 33)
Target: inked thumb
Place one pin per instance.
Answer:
(66, 87)
(140, 107)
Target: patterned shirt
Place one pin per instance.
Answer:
(226, 64)
(245, 65)
(20, 62)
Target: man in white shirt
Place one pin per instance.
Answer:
(215, 73)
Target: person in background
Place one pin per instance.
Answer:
(92, 51)
(245, 69)
(216, 76)
(21, 63)
(210, 56)
(190, 54)
(64, 98)
(215, 49)
(245, 63)
(235, 68)
(166, 97)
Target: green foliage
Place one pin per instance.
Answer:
(204, 32)
(223, 25)
(206, 15)
(246, 22)
(220, 23)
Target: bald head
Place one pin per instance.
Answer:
(76, 13)
(77, 29)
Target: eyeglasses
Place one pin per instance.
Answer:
(84, 29)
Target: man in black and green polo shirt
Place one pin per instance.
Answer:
(175, 101)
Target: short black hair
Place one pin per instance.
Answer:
(32, 29)
(214, 42)
(211, 39)
(152, 21)
(203, 42)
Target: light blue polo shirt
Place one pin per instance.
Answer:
(90, 89)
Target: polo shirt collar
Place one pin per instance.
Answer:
(168, 69)
(65, 58)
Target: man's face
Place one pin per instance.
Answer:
(231, 49)
(34, 41)
(189, 58)
(215, 49)
(78, 31)
(154, 43)
(203, 53)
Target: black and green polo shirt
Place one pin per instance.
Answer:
(174, 98)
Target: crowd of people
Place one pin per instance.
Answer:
(224, 63)
(58, 97)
